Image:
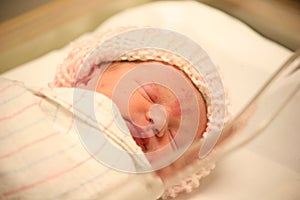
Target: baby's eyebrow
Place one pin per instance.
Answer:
(143, 92)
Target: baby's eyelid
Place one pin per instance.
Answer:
(148, 94)
(145, 94)
(150, 97)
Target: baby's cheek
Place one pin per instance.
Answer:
(175, 108)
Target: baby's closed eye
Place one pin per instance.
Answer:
(152, 92)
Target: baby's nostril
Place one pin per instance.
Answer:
(158, 119)
(151, 121)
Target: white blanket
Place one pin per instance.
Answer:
(42, 155)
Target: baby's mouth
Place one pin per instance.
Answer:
(137, 135)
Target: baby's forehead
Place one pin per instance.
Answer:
(168, 71)
(169, 79)
(127, 65)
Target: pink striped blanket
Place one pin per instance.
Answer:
(42, 156)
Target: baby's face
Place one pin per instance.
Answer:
(150, 105)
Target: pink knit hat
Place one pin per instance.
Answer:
(68, 76)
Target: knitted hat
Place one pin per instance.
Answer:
(76, 69)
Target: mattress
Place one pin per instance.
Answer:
(266, 168)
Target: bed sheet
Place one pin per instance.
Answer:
(266, 168)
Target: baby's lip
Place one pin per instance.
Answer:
(137, 136)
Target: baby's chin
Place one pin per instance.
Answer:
(137, 137)
(142, 142)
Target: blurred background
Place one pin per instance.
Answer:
(31, 28)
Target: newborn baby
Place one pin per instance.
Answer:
(165, 103)
(150, 105)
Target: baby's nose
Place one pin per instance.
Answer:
(158, 119)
